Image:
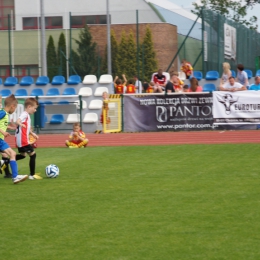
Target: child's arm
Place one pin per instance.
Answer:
(115, 79)
(19, 122)
(124, 78)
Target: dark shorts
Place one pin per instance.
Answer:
(26, 149)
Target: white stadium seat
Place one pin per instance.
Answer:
(99, 91)
(182, 75)
(84, 104)
(105, 79)
(95, 104)
(90, 79)
(90, 118)
(73, 118)
(85, 92)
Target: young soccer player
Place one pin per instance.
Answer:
(22, 135)
(77, 138)
(10, 105)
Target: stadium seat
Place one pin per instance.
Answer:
(37, 92)
(198, 75)
(90, 79)
(58, 80)
(26, 81)
(85, 92)
(212, 75)
(257, 73)
(182, 75)
(42, 81)
(249, 73)
(90, 118)
(73, 118)
(57, 119)
(69, 91)
(53, 92)
(105, 79)
(233, 73)
(45, 118)
(74, 80)
(1, 81)
(21, 92)
(84, 104)
(99, 91)
(209, 87)
(63, 102)
(5, 92)
(95, 104)
(45, 102)
(11, 81)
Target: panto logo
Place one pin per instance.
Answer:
(227, 100)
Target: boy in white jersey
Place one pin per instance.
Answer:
(10, 105)
(22, 135)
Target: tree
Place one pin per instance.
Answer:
(234, 10)
(122, 55)
(86, 55)
(61, 52)
(51, 59)
(150, 61)
(114, 54)
(131, 56)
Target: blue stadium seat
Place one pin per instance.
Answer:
(46, 102)
(26, 81)
(5, 92)
(37, 92)
(198, 75)
(63, 102)
(212, 75)
(1, 81)
(233, 73)
(42, 81)
(74, 80)
(11, 81)
(58, 80)
(57, 119)
(249, 73)
(53, 92)
(21, 92)
(69, 91)
(209, 87)
(257, 73)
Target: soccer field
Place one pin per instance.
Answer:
(147, 202)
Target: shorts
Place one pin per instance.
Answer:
(3, 145)
(26, 149)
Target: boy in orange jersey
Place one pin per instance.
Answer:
(119, 84)
(76, 138)
(130, 88)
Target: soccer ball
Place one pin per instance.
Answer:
(52, 171)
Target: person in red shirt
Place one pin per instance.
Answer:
(159, 81)
(77, 138)
(120, 85)
(194, 86)
(130, 88)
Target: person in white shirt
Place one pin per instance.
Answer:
(232, 86)
(138, 85)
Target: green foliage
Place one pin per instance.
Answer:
(123, 55)
(131, 54)
(234, 10)
(52, 66)
(150, 61)
(87, 55)
(114, 54)
(203, 204)
(61, 58)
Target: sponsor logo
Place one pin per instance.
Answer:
(227, 100)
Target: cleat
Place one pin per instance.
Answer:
(35, 177)
(19, 178)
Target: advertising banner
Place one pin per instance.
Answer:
(230, 42)
(241, 107)
(167, 113)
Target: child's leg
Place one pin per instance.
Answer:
(83, 143)
(32, 163)
(71, 144)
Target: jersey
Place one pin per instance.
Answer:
(22, 133)
(75, 138)
(130, 89)
(3, 122)
(119, 89)
(159, 79)
(150, 89)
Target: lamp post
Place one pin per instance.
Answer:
(109, 63)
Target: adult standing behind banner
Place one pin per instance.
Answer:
(242, 77)
(159, 81)
(169, 88)
(232, 86)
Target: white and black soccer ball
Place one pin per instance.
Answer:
(52, 171)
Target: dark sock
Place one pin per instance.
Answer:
(7, 169)
(19, 157)
(32, 164)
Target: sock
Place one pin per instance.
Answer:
(7, 161)
(19, 157)
(71, 144)
(32, 164)
(83, 143)
(14, 168)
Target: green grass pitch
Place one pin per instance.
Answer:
(129, 203)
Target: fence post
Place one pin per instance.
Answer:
(137, 44)
(9, 45)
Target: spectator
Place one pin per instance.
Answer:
(138, 85)
(176, 83)
(119, 84)
(242, 77)
(180, 83)
(130, 88)
(169, 88)
(77, 138)
(194, 86)
(186, 68)
(226, 73)
(159, 81)
(150, 89)
(185, 88)
(255, 86)
(232, 86)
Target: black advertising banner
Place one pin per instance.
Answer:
(167, 113)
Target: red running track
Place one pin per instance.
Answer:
(154, 138)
